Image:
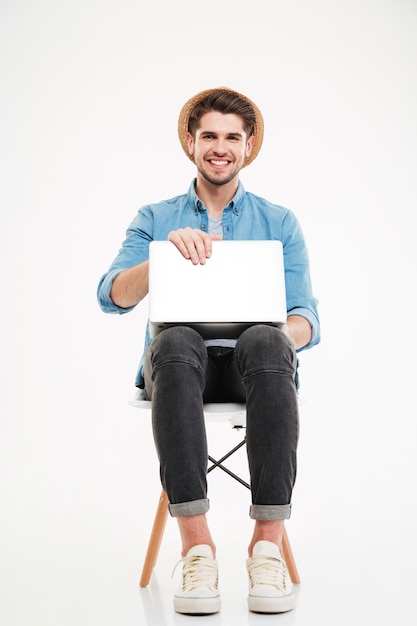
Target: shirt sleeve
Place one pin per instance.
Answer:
(134, 250)
(300, 298)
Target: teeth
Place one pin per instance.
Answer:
(219, 162)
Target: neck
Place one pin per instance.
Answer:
(215, 197)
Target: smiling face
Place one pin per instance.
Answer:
(220, 147)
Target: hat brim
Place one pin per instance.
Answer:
(191, 103)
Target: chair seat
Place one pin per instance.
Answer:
(233, 412)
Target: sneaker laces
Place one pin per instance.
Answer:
(268, 571)
(197, 572)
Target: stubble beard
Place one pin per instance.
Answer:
(219, 181)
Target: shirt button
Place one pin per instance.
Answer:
(203, 226)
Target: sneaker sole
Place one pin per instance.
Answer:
(265, 604)
(197, 606)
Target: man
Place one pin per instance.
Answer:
(221, 131)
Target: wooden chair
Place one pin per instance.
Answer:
(235, 414)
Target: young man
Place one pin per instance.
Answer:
(221, 131)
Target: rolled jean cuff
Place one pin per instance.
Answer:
(269, 512)
(185, 509)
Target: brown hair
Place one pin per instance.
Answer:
(225, 102)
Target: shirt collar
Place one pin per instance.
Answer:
(198, 205)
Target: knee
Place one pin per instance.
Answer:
(179, 341)
(266, 348)
(261, 335)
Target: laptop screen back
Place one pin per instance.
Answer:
(242, 284)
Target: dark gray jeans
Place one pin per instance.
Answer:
(181, 373)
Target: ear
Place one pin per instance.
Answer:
(190, 144)
(249, 145)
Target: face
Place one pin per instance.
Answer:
(220, 147)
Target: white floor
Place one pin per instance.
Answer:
(79, 502)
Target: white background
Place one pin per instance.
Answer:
(90, 95)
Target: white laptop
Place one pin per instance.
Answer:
(241, 284)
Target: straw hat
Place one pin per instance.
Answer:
(190, 104)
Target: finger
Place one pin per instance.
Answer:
(208, 244)
(198, 245)
(189, 244)
(175, 238)
(192, 243)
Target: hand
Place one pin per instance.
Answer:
(298, 330)
(193, 244)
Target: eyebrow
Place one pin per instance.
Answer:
(231, 134)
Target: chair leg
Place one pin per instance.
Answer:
(155, 539)
(289, 559)
(157, 533)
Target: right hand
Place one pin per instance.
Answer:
(193, 244)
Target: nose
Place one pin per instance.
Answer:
(220, 146)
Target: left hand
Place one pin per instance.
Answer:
(298, 330)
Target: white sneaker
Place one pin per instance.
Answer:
(199, 591)
(270, 586)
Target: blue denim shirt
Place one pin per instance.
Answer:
(247, 216)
